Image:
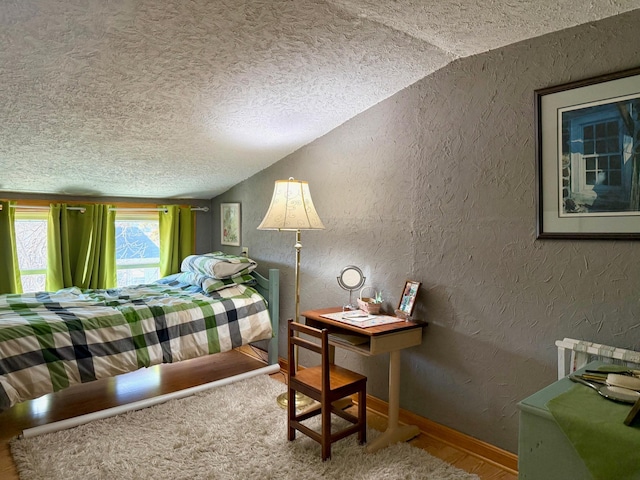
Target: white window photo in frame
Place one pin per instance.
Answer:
(588, 158)
(230, 224)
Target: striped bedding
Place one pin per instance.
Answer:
(49, 341)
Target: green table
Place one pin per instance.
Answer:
(565, 424)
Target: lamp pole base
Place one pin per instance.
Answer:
(302, 401)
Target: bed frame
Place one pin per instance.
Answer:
(269, 288)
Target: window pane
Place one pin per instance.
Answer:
(31, 241)
(137, 240)
(31, 244)
(588, 148)
(32, 283)
(137, 250)
(591, 163)
(135, 276)
(588, 131)
(591, 178)
(601, 178)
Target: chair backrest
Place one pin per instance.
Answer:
(295, 340)
(316, 382)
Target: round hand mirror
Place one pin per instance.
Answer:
(351, 278)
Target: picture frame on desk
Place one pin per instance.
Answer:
(408, 299)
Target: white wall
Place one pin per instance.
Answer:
(437, 184)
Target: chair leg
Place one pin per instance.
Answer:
(362, 415)
(291, 413)
(326, 431)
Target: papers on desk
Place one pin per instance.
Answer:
(359, 318)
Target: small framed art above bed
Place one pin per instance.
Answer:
(53, 340)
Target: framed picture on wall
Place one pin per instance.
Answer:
(588, 155)
(230, 224)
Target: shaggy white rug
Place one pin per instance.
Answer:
(232, 432)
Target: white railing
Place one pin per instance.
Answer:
(583, 352)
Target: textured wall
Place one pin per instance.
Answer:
(437, 184)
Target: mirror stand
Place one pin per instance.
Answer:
(351, 278)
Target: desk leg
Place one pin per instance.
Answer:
(394, 433)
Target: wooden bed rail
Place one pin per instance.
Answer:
(269, 288)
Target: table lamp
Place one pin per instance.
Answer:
(292, 210)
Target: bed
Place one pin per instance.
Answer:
(51, 341)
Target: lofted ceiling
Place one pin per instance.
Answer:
(186, 98)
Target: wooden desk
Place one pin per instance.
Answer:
(392, 338)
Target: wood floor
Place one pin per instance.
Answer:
(150, 382)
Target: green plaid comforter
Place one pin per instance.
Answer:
(49, 341)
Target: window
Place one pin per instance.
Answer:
(596, 169)
(137, 248)
(602, 155)
(31, 242)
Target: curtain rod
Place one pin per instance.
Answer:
(43, 207)
(113, 209)
(153, 209)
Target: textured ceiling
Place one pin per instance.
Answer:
(186, 98)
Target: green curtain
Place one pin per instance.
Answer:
(9, 270)
(81, 248)
(177, 237)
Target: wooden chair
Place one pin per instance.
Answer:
(325, 383)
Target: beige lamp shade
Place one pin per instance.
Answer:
(291, 208)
